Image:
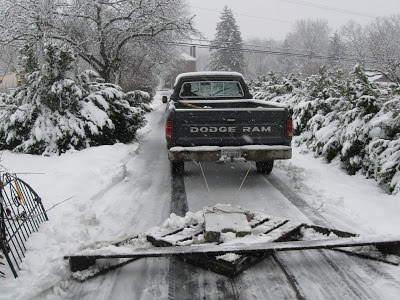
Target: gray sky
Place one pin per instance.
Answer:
(275, 18)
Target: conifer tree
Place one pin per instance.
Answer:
(226, 53)
(336, 50)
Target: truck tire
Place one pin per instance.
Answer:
(177, 167)
(264, 167)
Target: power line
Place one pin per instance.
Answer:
(252, 45)
(272, 52)
(330, 8)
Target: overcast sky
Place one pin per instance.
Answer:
(275, 18)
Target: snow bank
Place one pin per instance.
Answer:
(83, 175)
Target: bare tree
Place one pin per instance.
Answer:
(310, 37)
(384, 45)
(355, 38)
(259, 63)
(100, 31)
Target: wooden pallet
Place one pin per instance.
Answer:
(268, 229)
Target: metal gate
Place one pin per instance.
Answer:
(21, 213)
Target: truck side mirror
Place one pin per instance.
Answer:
(164, 99)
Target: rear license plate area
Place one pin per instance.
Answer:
(230, 153)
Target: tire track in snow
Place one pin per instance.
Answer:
(179, 205)
(352, 280)
(186, 281)
(290, 278)
(296, 200)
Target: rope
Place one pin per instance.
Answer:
(204, 176)
(244, 179)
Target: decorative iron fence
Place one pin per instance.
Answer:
(21, 213)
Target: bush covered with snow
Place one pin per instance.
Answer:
(54, 112)
(343, 117)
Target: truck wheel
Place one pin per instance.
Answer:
(177, 167)
(264, 167)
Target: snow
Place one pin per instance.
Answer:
(339, 196)
(121, 190)
(100, 118)
(207, 73)
(226, 222)
(187, 57)
(373, 76)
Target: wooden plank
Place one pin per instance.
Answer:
(269, 226)
(186, 235)
(376, 240)
(327, 231)
(259, 219)
(283, 231)
(175, 237)
(83, 263)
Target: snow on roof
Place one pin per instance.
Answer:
(187, 57)
(376, 76)
(206, 73)
(372, 75)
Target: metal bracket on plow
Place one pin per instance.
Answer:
(268, 235)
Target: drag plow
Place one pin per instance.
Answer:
(228, 240)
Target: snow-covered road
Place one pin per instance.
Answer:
(124, 189)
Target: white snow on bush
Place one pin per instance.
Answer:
(53, 113)
(349, 118)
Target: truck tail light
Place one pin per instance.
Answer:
(289, 126)
(168, 129)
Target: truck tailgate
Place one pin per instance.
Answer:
(230, 127)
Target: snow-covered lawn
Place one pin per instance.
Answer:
(123, 189)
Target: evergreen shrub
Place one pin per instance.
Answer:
(55, 111)
(343, 117)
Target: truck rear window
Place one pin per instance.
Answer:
(211, 89)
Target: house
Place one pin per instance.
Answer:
(186, 63)
(10, 81)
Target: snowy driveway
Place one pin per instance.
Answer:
(123, 189)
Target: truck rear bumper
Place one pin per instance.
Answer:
(214, 153)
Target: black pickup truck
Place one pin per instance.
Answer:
(211, 116)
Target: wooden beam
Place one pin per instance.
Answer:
(375, 240)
